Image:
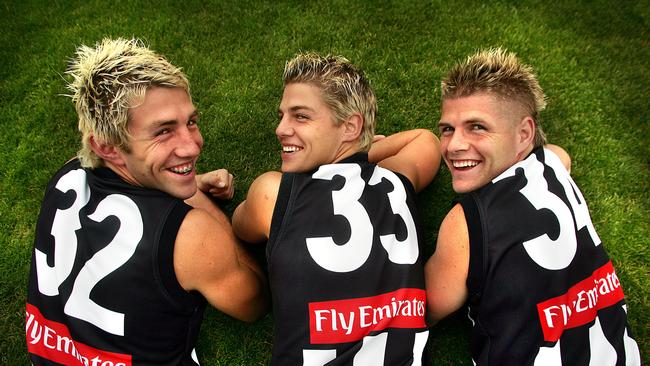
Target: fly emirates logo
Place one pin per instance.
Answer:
(581, 303)
(341, 321)
(52, 340)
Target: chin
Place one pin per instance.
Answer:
(183, 194)
(462, 188)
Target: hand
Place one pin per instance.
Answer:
(218, 183)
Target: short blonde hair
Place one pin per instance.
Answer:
(107, 80)
(498, 72)
(344, 87)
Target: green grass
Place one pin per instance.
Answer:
(591, 58)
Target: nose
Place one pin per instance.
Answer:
(457, 141)
(284, 128)
(190, 143)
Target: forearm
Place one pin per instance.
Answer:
(256, 285)
(414, 153)
(391, 145)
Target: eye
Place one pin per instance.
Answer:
(301, 117)
(477, 127)
(163, 131)
(445, 130)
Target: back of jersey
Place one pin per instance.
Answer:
(102, 288)
(345, 268)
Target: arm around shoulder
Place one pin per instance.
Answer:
(252, 218)
(208, 258)
(413, 153)
(446, 271)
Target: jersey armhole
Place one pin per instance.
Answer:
(165, 263)
(281, 204)
(476, 246)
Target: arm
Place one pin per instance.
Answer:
(562, 154)
(413, 153)
(252, 218)
(209, 259)
(446, 271)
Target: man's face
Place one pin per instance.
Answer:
(165, 143)
(479, 139)
(306, 131)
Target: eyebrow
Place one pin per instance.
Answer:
(297, 108)
(162, 123)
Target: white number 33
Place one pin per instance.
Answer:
(354, 253)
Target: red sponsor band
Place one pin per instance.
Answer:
(580, 304)
(349, 320)
(52, 340)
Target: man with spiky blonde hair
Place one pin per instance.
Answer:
(107, 81)
(344, 88)
(340, 224)
(519, 246)
(128, 247)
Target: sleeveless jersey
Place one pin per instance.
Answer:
(345, 269)
(542, 290)
(102, 287)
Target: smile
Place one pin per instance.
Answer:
(182, 169)
(291, 149)
(459, 164)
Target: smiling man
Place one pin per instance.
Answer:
(519, 245)
(128, 247)
(342, 233)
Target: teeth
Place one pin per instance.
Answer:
(290, 149)
(183, 169)
(464, 163)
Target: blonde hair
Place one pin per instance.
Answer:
(344, 87)
(109, 79)
(496, 71)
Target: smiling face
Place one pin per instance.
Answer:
(165, 143)
(482, 136)
(307, 132)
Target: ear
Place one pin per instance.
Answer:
(107, 152)
(525, 134)
(352, 127)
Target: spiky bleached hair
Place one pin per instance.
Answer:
(107, 80)
(344, 87)
(498, 72)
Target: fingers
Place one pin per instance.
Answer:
(222, 186)
(218, 183)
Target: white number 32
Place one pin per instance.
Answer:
(64, 226)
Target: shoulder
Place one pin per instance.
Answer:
(454, 225)
(264, 191)
(446, 272)
(266, 185)
(252, 218)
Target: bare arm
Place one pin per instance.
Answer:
(446, 271)
(209, 259)
(252, 218)
(413, 153)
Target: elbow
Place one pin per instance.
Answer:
(257, 304)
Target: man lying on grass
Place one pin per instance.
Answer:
(128, 246)
(519, 246)
(345, 265)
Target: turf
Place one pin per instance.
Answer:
(591, 58)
